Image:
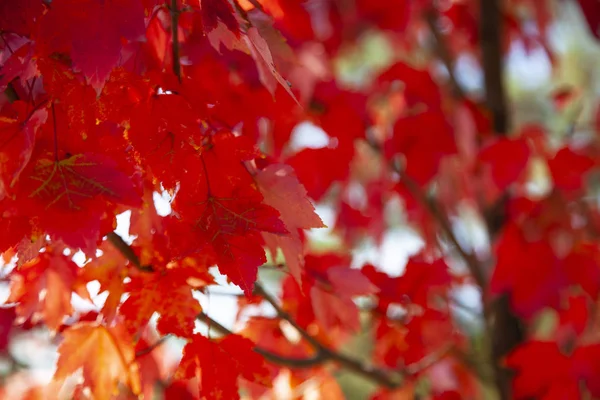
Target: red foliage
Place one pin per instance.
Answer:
(107, 105)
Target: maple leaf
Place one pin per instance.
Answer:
(267, 334)
(560, 375)
(517, 260)
(385, 14)
(109, 270)
(178, 311)
(226, 212)
(569, 168)
(505, 170)
(251, 42)
(45, 285)
(92, 31)
(147, 227)
(22, 65)
(316, 173)
(76, 191)
(261, 53)
(20, 16)
(215, 10)
(331, 285)
(218, 363)
(165, 130)
(17, 138)
(423, 139)
(419, 283)
(282, 191)
(106, 356)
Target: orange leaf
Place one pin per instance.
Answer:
(52, 274)
(105, 354)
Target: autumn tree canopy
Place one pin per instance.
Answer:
(249, 116)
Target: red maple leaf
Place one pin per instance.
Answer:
(178, 311)
(544, 371)
(282, 191)
(18, 129)
(75, 193)
(91, 32)
(215, 10)
(217, 364)
(506, 160)
(225, 212)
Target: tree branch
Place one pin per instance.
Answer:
(153, 346)
(506, 329)
(374, 374)
(259, 290)
(474, 266)
(491, 52)
(127, 252)
(291, 362)
(390, 380)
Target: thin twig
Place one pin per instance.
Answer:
(391, 379)
(153, 346)
(442, 51)
(259, 290)
(292, 362)
(381, 377)
(175, 39)
(474, 266)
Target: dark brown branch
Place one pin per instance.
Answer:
(506, 329)
(127, 252)
(491, 53)
(153, 346)
(175, 39)
(323, 353)
(474, 266)
(259, 290)
(292, 362)
(368, 371)
(431, 16)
